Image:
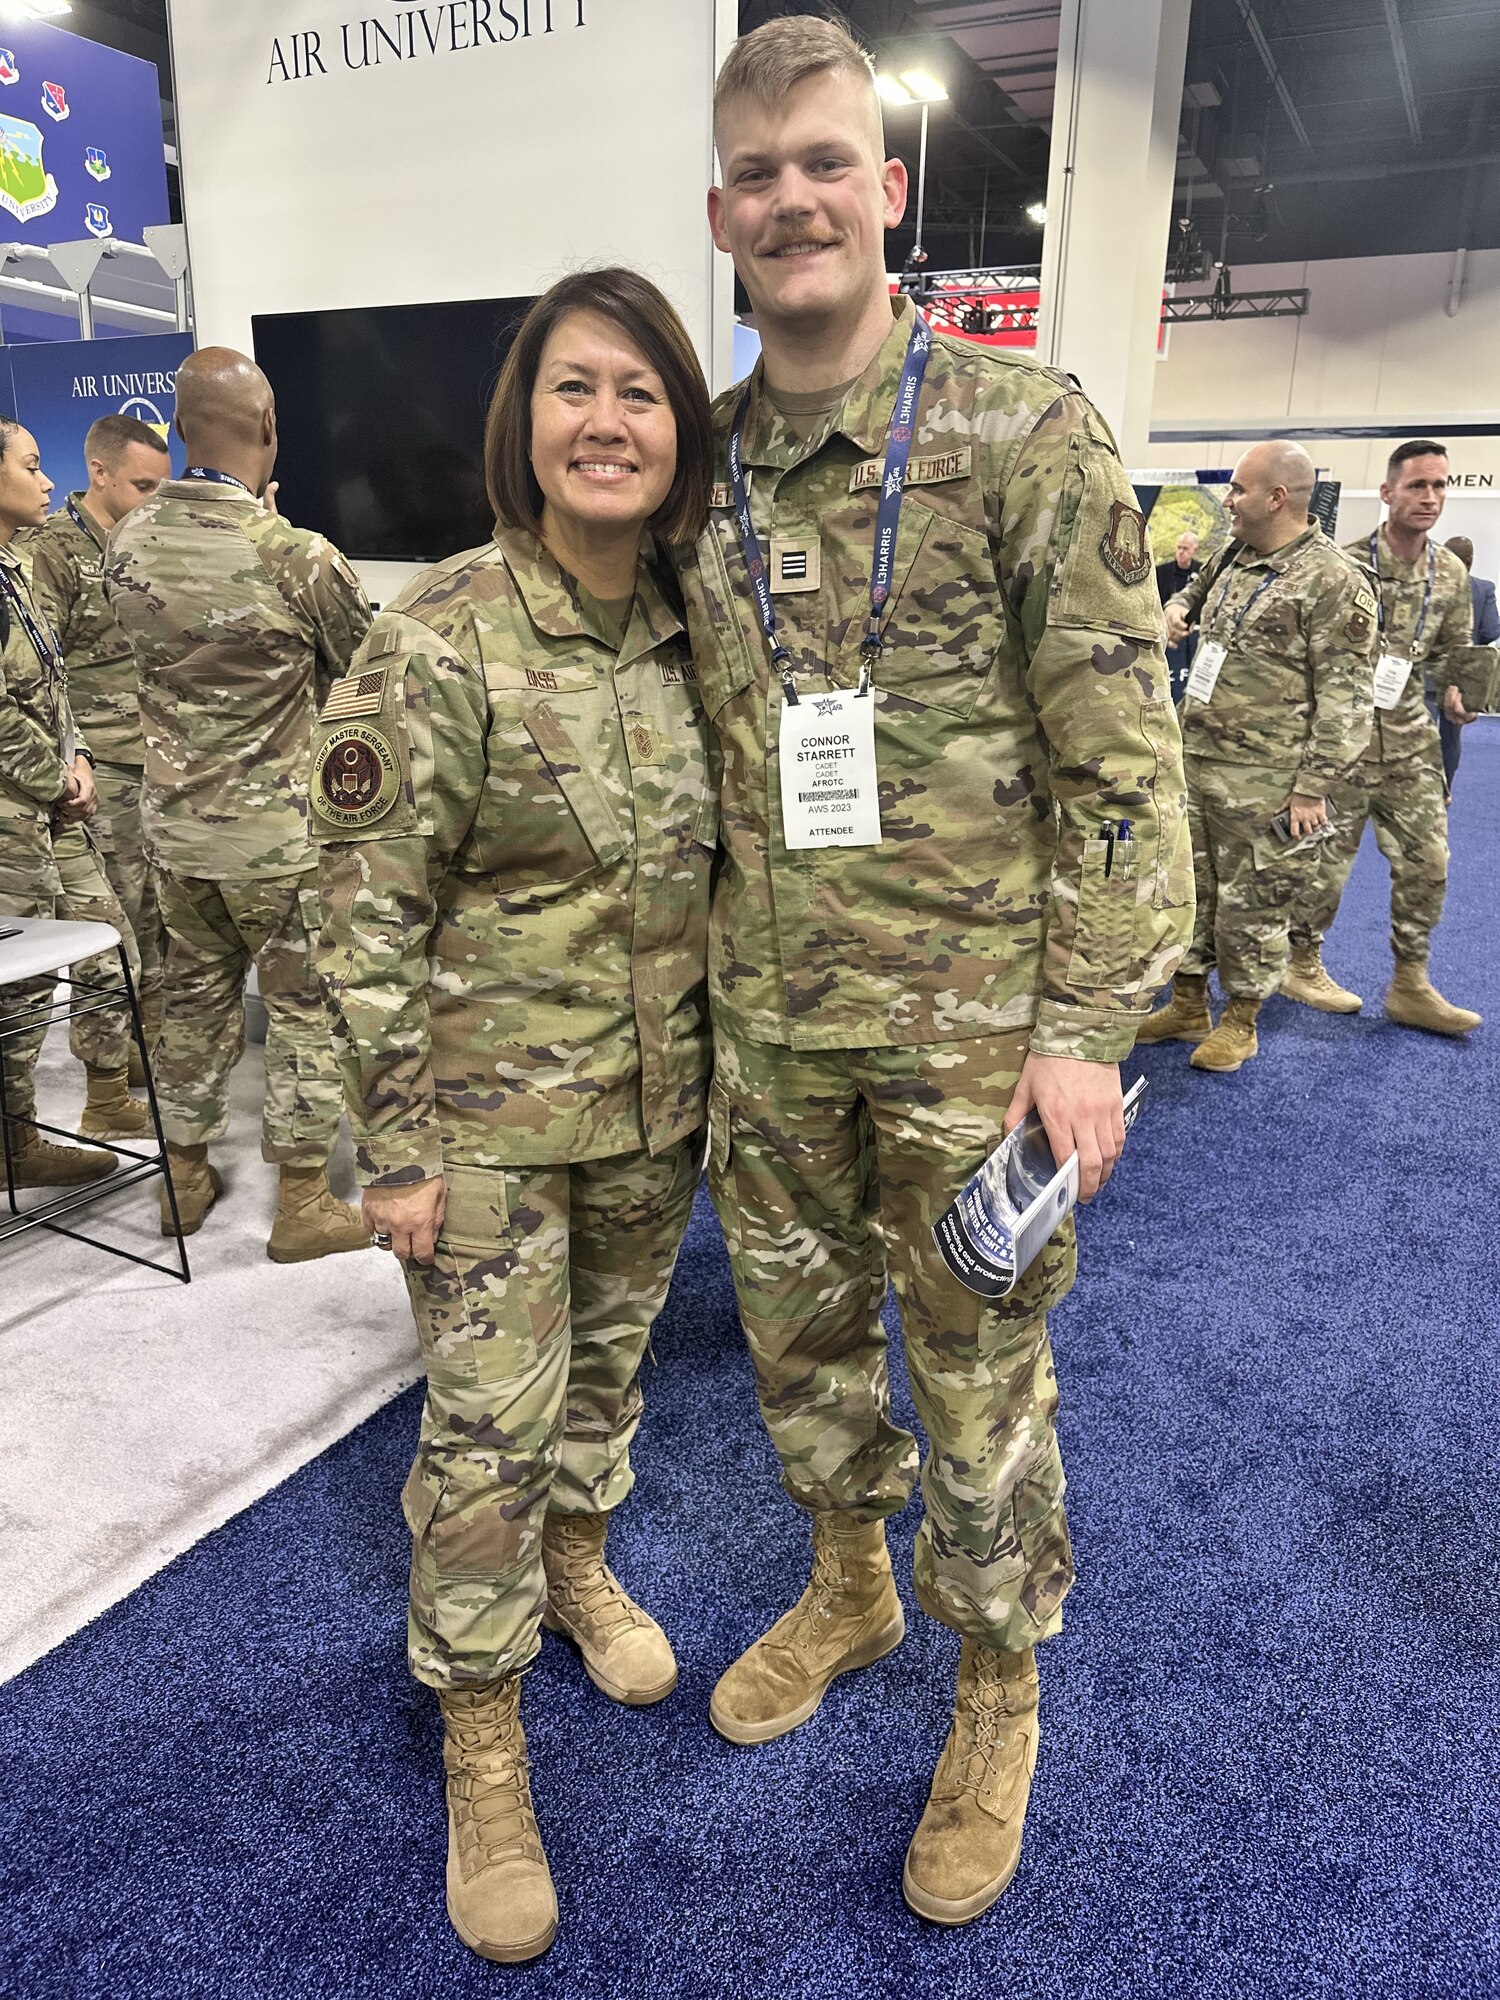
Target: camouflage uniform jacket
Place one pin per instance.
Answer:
(517, 822)
(37, 738)
(1023, 707)
(1408, 730)
(67, 567)
(240, 623)
(1296, 690)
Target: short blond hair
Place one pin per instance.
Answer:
(775, 57)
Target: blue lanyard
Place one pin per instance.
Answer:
(1416, 637)
(43, 642)
(887, 514)
(216, 478)
(80, 522)
(1245, 609)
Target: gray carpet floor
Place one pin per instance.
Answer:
(138, 1413)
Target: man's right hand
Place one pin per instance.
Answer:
(1177, 625)
(411, 1216)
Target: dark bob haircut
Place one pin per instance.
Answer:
(648, 321)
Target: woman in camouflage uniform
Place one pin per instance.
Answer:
(514, 798)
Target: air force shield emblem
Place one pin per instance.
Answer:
(95, 160)
(1124, 546)
(96, 220)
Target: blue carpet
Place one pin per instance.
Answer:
(1269, 1755)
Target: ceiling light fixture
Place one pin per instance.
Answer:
(890, 92)
(1037, 212)
(924, 87)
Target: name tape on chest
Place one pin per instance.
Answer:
(932, 471)
(679, 674)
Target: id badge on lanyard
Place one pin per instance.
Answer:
(829, 793)
(1393, 670)
(1391, 675)
(1207, 662)
(826, 741)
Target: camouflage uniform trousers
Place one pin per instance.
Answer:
(829, 1169)
(1246, 879)
(533, 1318)
(215, 930)
(59, 875)
(128, 869)
(1404, 797)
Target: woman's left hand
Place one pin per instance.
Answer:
(406, 1220)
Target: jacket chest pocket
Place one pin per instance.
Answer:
(945, 625)
(546, 816)
(725, 663)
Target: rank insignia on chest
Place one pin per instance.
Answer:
(796, 563)
(356, 694)
(355, 778)
(642, 743)
(1123, 545)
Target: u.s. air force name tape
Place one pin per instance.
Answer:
(356, 778)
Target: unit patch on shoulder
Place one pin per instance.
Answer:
(355, 778)
(1123, 545)
(356, 694)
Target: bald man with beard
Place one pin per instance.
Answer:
(1279, 706)
(241, 624)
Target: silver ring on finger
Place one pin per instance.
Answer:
(381, 1239)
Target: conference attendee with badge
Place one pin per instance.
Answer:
(517, 809)
(927, 633)
(1279, 705)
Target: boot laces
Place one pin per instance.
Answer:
(594, 1591)
(987, 1712)
(492, 1789)
(826, 1588)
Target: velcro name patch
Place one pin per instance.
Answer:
(931, 471)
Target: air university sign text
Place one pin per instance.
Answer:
(450, 27)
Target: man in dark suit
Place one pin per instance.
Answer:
(1486, 632)
(1170, 578)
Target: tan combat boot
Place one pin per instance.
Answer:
(1307, 979)
(848, 1616)
(1185, 1018)
(35, 1162)
(311, 1221)
(109, 1111)
(1414, 1002)
(968, 1843)
(500, 1895)
(625, 1652)
(151, 1029)
(196, 1184)
(1233, 1042)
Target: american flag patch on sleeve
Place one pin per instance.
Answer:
(356, 694)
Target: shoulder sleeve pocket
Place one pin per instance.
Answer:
(1104, 578)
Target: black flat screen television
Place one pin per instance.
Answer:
(381, 412)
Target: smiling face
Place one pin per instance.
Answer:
(806, 200)
(24, 488)
(603, 436)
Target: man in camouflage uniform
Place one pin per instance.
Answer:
(126, 462)
(884, 1011)
(1277, 710)
(1425, 620)
(48, 866)
(240, 623)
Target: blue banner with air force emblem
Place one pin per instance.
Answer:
(60, 387)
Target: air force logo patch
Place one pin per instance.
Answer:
(1123, 545)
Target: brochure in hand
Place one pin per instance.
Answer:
(994, 1231)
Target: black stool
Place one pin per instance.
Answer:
(37, 948)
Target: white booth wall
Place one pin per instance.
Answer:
(504, 147)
